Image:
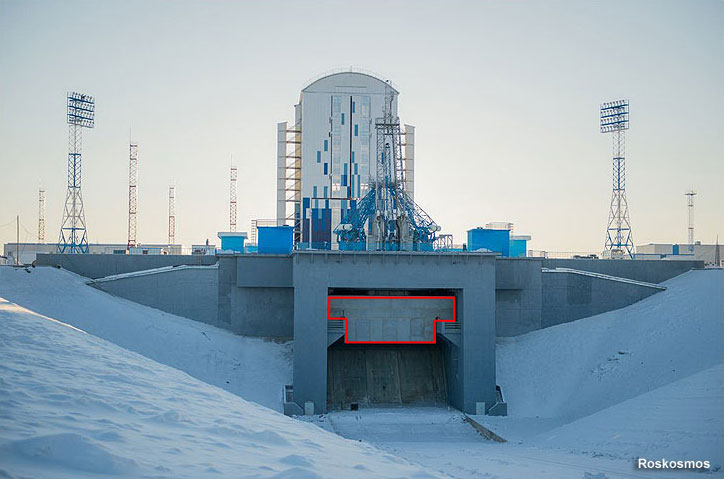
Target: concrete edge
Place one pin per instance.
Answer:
(604, 276)
(484, 431)
(146, 272)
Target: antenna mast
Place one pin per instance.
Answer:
(171, 215)
(232, 200)
(690, 195)
(132, 194)
(41, 215)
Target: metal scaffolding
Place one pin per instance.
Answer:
(171, 215)
(232, 200)
(132, 194)
(73, 235)
(41, 215)
(289, 175)
(386, 218)
(619, 240)
(690, 195)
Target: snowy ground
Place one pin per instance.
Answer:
(75, 406)
(575, 369)
(254, 369)
(585, 398)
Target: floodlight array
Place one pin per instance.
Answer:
(614, 116)
(81, 110)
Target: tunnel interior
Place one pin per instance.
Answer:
(385, 375)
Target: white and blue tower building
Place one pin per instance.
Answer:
(326, 159)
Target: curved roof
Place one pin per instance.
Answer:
(335, 77)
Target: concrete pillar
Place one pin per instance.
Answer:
(310, 342)
(478, 347)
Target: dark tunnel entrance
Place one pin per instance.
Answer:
(385, 375)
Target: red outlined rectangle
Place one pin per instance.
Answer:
(346, 323)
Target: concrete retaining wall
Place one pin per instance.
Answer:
(265, 310)
(101, 265)
(570, 295)
(517, 295)
(650, 271)
(188, 291)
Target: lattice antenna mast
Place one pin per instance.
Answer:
(690, 195)
(619, 239)
(171, 215)
(232, 200)
(41, 215)
(73, 234)
(132, 194)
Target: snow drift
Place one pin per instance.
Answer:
(75, 406)
(252, 368)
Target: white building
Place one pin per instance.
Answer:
(703, 252)
(326, 159)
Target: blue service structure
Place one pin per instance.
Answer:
(275, 239)
(496, 240)
(232, 241)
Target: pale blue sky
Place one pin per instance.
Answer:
(504, 96)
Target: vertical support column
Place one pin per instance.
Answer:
(281, 173)
(409, 155)
(310, 334)
(477, 364)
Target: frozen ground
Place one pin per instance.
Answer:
(75, 406)
(575, 369)
(254, 369)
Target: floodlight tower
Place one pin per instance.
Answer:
(690, 195)
(73, 235)
(232, 200)
(619, 240)
(171, 215)
(132, 194)
(41, 215)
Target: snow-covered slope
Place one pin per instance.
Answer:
(75, 406)
(249, 367)
(575, 369)
(682, 420)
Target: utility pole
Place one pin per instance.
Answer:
(17, 240)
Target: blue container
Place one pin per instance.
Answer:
(232, 241)
(275, 239)
(493, 240)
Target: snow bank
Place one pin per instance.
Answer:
(575, 369)
(252, 368)
(75, 406)
(680, 421)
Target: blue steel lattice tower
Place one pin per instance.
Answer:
(619, 241)
(73, 235)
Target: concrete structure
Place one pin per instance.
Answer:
(98, 266)
(569, 295)
(415, 355)
(188, 291)
(29, 251)
(325, 161)
(639, 270)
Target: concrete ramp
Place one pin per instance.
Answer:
(384, 375)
